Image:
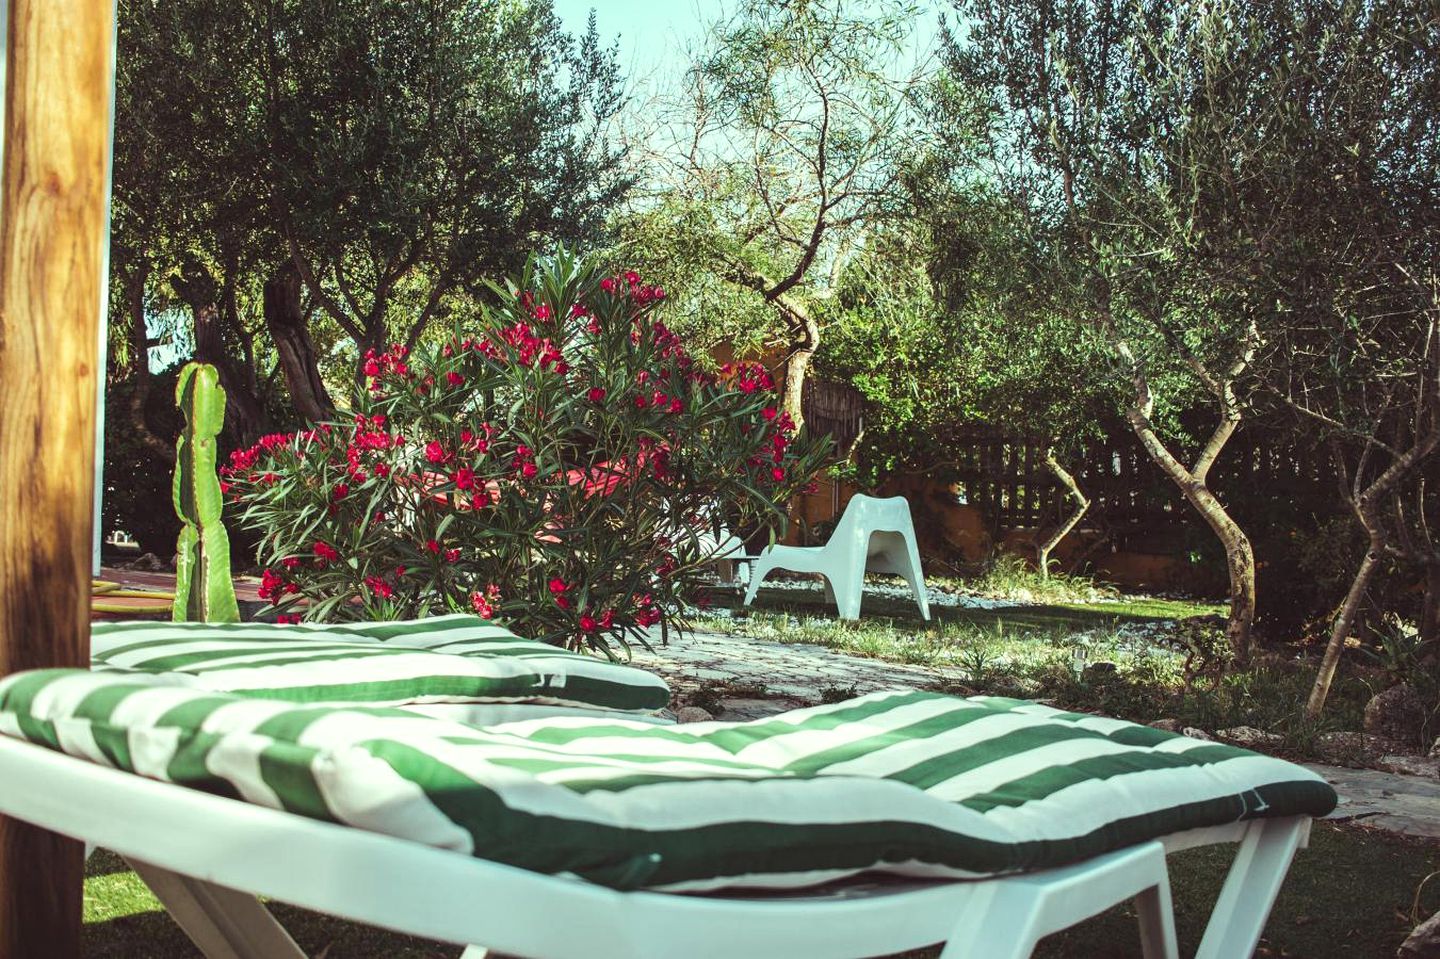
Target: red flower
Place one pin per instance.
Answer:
(452, 555)
(608, 284)
(290, 562)
(596, 394)
(340, 491)
(434, 452)
(287, 619)
(464, 478)
(325, 551)
(454, 379)
(379, 587)
(587, 622)
(272, 584)
(777, 474)
(528, 470)
(769, 413)
(483, 603)
(433, 545)
(558, 588)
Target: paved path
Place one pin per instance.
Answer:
(756, 678)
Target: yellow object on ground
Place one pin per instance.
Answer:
(103, 592)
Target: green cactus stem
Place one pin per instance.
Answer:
(204, 591)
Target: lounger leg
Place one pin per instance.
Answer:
(1157, 923)
(1250, 889)
(1008, 918)
(223, 923)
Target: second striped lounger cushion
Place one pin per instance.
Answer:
(908, 783)
(455, 659)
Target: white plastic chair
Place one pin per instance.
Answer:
(726, 551)
(873, 534)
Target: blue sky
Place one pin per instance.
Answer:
(652, 33)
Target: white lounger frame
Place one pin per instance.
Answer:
(207, 858)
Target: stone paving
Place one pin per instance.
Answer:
(764, 678)
(756, 678)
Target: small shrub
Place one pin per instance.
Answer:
(838, 694)
(555, 468)
(1007, 576)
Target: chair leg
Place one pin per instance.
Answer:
(915, 575)
(758, 572)
(848, 591)
(1250, 889)
(223, 923)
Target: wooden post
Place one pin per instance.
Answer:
(52, 215)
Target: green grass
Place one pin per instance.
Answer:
(1345, 899)
(777, 597)
(1031, 654)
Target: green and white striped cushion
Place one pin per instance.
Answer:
(909, 783)
(441, 660)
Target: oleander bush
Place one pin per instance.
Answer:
(563, 468)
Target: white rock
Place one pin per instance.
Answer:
(1249, 736)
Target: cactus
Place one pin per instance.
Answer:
(204, 591)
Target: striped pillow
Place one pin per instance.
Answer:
(907, 783)
(457, 659)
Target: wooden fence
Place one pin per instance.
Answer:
(1006, 478)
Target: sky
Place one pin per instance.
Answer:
(652, 34)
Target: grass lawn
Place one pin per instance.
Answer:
(775, 596)
(1345, 898)
(1137, 646)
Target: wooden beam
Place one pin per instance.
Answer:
(52, 215)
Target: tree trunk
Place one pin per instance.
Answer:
(805, 341)
(285, 319)
(245, 418)
(1079, 504)
(1430, 605)
(140, 372)
(1344, 622)
(1239, 554)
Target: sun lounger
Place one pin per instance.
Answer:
(457, 667)
(572, 837)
